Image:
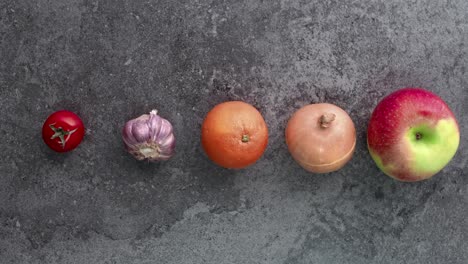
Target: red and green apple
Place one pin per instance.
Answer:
(412, 134)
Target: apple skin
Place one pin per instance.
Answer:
(412, 134)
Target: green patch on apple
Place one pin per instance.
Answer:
(432, 147)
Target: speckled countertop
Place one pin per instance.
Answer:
(111, 60)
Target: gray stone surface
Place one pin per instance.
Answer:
(113, 60)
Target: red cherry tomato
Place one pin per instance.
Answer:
(63, 131)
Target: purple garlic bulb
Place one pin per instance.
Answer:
(149, 137)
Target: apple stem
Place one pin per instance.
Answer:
(418, 136)
(326, 119)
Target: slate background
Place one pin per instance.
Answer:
(113, 60)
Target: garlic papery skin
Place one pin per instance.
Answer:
(149, 137)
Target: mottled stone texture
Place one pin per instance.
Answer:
(111, 60)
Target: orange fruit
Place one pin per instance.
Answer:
(234, 134)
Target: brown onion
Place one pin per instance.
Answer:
(321, 137)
